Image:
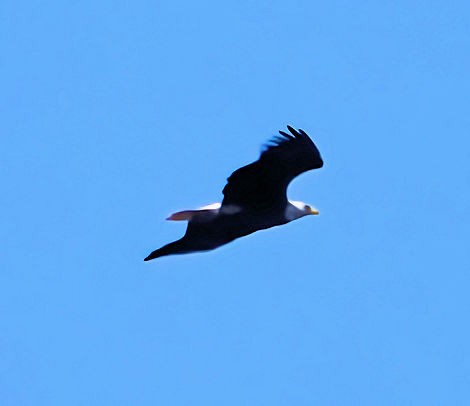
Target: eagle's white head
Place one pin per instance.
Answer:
(296, 210)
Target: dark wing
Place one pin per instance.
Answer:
(263, 184)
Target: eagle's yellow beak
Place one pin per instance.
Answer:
(314, 211)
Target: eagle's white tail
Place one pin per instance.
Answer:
(187, 215)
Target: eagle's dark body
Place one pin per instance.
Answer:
(205, 235)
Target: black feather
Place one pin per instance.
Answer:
(262, 184)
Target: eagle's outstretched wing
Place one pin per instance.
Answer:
(262, 185)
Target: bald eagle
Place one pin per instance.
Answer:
(254, 197)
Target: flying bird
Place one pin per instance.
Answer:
(255, 197)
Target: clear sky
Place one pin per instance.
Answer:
(116, 113)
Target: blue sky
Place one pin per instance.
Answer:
(115, 114)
